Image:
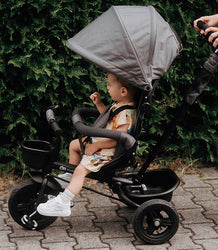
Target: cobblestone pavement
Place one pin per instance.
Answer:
(101, 223)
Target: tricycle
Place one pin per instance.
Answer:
(136, 44)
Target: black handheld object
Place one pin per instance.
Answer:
(50, 116)
(203, 26)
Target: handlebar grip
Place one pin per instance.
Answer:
(203, 26)
(56, 128)
(50, 116)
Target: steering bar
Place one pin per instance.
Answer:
(125, 139)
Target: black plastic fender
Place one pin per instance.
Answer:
(39, 178)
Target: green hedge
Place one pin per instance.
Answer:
(38, 70)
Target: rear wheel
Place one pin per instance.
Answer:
(155, 221)
(22, 203)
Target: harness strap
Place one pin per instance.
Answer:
(106, 115)
(118, 110)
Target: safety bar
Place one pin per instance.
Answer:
(123, 138)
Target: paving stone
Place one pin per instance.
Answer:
(183, 229)
(60, 221)
(126, 213)
(56, 234)
(121, 244)
(210, 206)
(95, 248)
(190, 216)
(208, 244)
(179, 191)
(3, 214)
(203, 230)
(105, 214)
(215, 192)
(151, 247)
(184, 202)
(32, 243)
(3, 225)
(202, 194)
(120, 204)
(96, 200)
(89, 240)
(8, 248)
(19, 231)
(80, 198)
(4, 239)
(213, 217)
(82, 224)
(183, 242)
(193, 181)
(59, 245)
(102, 223)
(213, 183)
(114, 230)
(80, 209)
(208, 173)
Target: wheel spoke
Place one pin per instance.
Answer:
(166, 222)
(151, 228)
(152, 214)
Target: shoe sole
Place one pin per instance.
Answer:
(53, 214)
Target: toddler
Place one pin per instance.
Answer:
(98, 151)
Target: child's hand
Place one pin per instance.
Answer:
(91, 149)
(96, 98)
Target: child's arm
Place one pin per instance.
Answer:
(96, 98)
(106, 143)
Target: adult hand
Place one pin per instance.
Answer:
(209, 20)
(213, 38)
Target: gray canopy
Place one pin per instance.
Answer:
(132, 42)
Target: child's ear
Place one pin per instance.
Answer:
(124, 91)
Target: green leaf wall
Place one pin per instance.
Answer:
(38, 70)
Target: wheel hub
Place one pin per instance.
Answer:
(156, 222)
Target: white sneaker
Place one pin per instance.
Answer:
(50, 196)
(55, 207)
(65, 176)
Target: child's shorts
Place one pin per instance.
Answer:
(95, 162)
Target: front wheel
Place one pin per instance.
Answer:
(155, 221)
(22, 203)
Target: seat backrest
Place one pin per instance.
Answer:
(143, 107)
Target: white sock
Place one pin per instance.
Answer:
(67, 196)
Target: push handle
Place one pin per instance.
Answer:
(50, 116)
(203, 26)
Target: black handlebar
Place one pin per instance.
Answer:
(125, 139)
(203, 26)
(50, 116)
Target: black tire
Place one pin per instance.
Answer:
(22, 201)
(155, 221)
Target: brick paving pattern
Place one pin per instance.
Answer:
(100, 223)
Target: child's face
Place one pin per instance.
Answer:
(114, 88)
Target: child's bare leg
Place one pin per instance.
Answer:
(60, 205)
(77, 179)
(74, 152)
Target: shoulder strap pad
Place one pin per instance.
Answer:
(118, 110)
